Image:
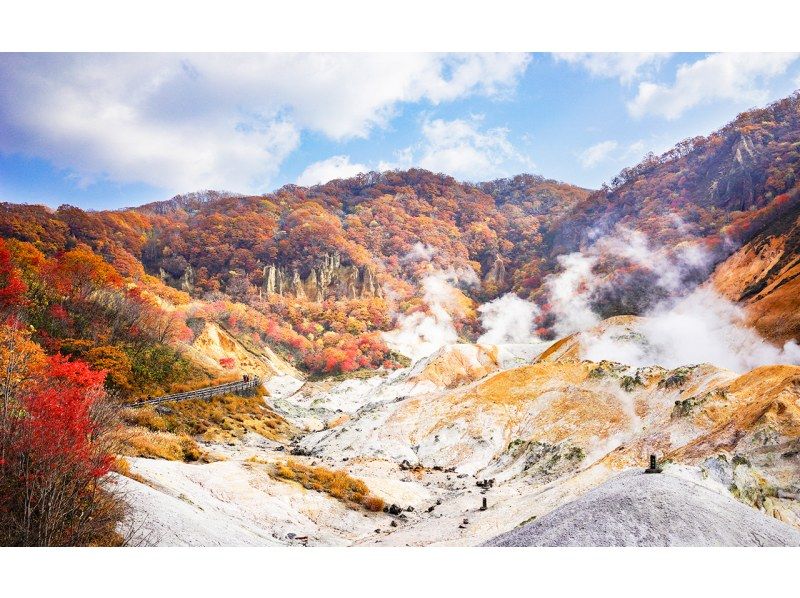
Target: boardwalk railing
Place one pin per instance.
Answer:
(205, 393)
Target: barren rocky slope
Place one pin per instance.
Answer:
(764, 275)
(524, 429)
(636, 509)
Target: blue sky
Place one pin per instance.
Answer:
(114, 130)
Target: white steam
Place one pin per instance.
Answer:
(421, 334)
(701, 327)
(508, 319)
(570, 292)
(419, 252)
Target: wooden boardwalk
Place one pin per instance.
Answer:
(205, 394)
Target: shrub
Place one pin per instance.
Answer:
(55, 450)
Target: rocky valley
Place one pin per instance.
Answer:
(439, 362)
(525, 429)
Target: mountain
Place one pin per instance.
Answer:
(426, 344)
(317, 274)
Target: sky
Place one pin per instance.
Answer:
(104, 131)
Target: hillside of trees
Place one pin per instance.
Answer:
(317, 273)
(97, 307)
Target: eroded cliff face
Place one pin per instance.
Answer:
(215, 344)
(733, 183)
(496, 275)
(329, 279)
(764, 277)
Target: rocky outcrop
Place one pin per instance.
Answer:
(734, 184)
(297, 288)
(184, 282)
(328, 279)
(497, 272)
(214, 344)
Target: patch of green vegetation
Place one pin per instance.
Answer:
(606, 368)
(527, 521)
(576, 453)
(596, 372)
(158, 368)
(739, 460)
(628, 383)
(551, 460)
(682, 408)
(515, 444)
(676, 378)
(361, 374)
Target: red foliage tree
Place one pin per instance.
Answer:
(54, 457)
(12, 288)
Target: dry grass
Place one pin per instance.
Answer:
(339, 484)
(171, 435)
(123, 468)
(222, 419)
(141, 442)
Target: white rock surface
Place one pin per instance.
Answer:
(638, 509)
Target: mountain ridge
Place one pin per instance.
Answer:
(341, 262)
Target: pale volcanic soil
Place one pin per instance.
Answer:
(546, 429)
(639, 509)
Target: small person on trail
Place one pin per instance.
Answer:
(246, 378)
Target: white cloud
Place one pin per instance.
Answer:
(615, 152)
(625, 66)
(716, 77)
(335, 167)
(218, 120)
(597, 153)
(462, 149)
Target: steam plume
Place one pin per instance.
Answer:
(508, 319)
(420, 334)
(688, 326)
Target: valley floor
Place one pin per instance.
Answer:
(531, 433)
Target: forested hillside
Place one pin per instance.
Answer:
(317, 273)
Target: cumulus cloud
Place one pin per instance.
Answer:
(597, 153)
(508, 319)
(218, 120)
(716, 77)
(335, 167)
(463, 149)
(625, 66)
(616, 152)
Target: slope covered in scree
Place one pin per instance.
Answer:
(636, 509)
